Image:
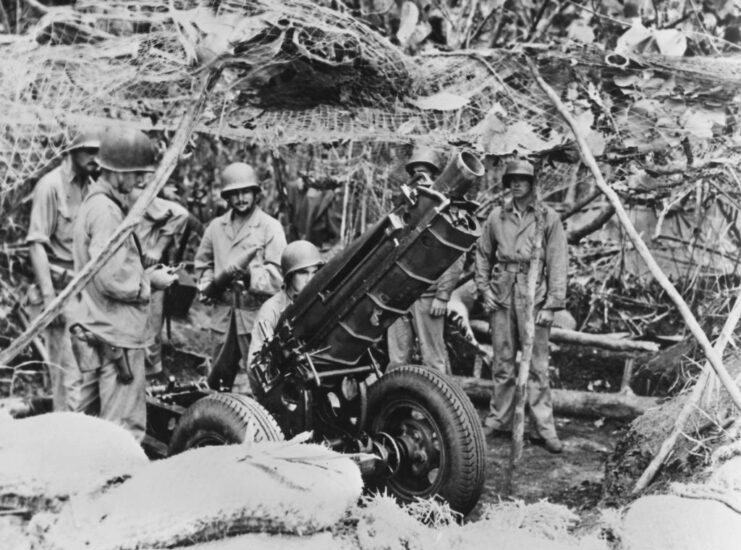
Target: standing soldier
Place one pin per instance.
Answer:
(110, 327)
(428, 312)
(503, 257)
(238, 260)
(56, 201)
(162, 222)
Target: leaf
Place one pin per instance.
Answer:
(407, 21)
(495, 137)
(580, 31)
(408, 126)
(594, 139)
(443, 101)
(670, 41)
(700, 122)
(632, 38)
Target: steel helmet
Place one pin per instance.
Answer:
(518, 168)
(126, 150)
(299, 255)
(236, 176)
(427, 157)
(86, 138)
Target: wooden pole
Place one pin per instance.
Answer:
(526, 355)
(81, 279)
(712, 355)
(697, 391)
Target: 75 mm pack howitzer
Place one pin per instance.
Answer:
(321, 371)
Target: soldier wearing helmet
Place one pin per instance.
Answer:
(238, 261)
(110, 329)
(56, 200)
(427, 315)
(503, 257)
(300, 261)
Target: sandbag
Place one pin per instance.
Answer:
(679, 523)
(46, 459)
(210, 493)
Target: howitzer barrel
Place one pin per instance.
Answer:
(459, 175)
(353, 299)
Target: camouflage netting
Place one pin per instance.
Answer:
(298, 73)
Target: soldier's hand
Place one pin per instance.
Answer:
(234, 269)
(438, 308)
(544, 318)
(162, 277)
(490, 303)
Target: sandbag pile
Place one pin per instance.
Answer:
(513, 525)
(46, 459)
(696, 515)
(210, 493)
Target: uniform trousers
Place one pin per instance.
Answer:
(508, 333)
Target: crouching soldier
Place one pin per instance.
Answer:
(503, 256)
(300, 261)
(238, 261)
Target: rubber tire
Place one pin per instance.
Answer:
(223, 418)
(456, 418)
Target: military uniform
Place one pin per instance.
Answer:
(114, 308)
(429, 329)
(56, 200)
(221, 243)
(502, 260)
(163, 218)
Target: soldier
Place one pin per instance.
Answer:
(56, 201)
(163, 220)
(238, 261)
(503, 258)
(110, 325)
(428, 312)
(299, 262)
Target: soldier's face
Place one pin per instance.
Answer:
(127, 181)
(242, 201)
(522, 187)
(84, 161)
(300, 278)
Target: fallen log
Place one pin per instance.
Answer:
(565, 336)
(620, 406)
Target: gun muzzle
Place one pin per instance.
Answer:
(459, 175)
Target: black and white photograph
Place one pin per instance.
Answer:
(370, 274)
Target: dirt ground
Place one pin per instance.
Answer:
(573, 478)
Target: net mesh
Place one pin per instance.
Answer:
(298, 72)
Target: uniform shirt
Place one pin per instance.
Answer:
(508, 239)
(221, 243)
(445, 285)
(162, 217)
(266, 321)
(115, 303)
(56, 201)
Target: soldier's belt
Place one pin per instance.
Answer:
(515, 267)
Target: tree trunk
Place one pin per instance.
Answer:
(620, 406)
(565, 336)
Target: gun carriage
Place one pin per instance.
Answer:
(321, 370)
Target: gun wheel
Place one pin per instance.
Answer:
(437, 434)
(223, 419)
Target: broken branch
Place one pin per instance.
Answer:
(684, 310)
